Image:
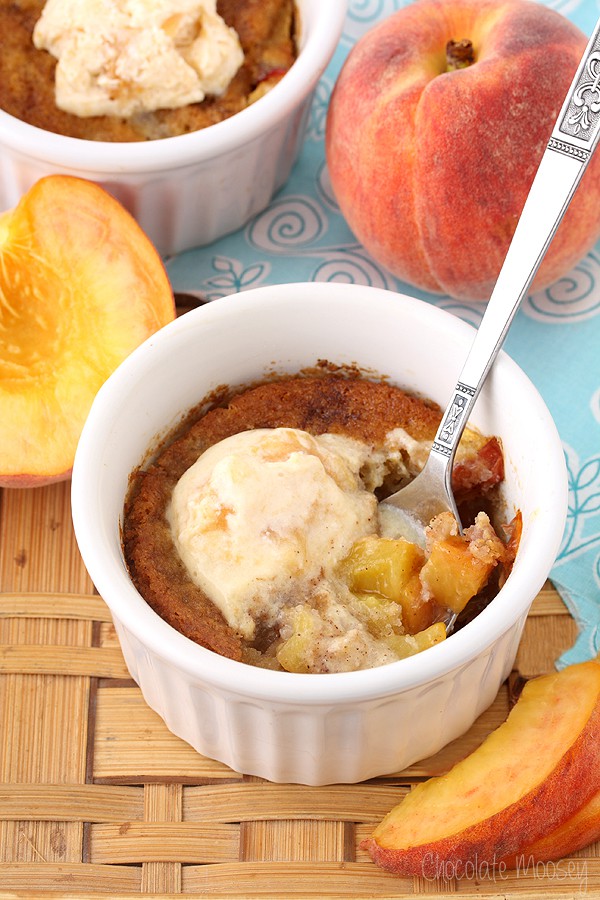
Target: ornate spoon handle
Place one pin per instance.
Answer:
(565, 159)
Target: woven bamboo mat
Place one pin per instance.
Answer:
(96, 796)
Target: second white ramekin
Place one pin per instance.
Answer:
(189, 190)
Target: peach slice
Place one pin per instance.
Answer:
(526, 788)
(581, 829)
(80, 287)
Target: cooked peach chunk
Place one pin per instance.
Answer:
(382, 565)
(381, 615)
(453, 574)
(418, 609)
(294, 652)
(390, 568)
(408, 644)
(479, 463)
(459, 566)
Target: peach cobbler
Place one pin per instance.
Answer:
(136, 70)
(257, 533)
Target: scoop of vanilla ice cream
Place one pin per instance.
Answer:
(122, 57)
(266, 511)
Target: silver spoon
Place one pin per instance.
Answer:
(565, 159)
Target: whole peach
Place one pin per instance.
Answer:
(431, 152)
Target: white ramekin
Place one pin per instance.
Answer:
(189, 190)
(314, 729)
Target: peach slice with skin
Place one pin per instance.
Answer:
(531, 786)
(81, 286)
(578, 831)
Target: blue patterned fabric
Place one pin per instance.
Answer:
(555, 337)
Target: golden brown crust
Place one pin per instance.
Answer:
(266, 32)
(161, 577)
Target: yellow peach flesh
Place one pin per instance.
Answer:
(80, 287)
